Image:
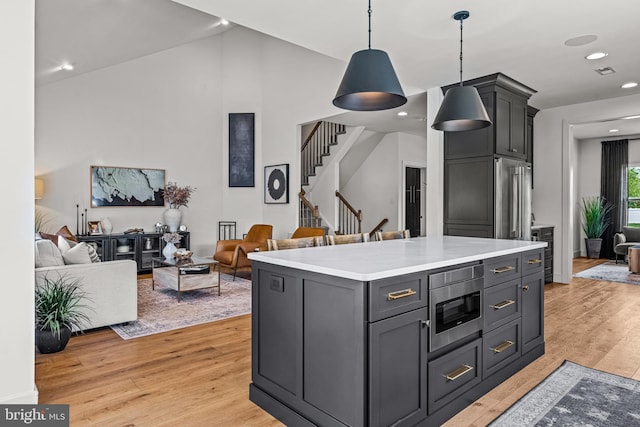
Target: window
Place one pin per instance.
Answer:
(633, 196)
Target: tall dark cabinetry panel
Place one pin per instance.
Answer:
(469, 174)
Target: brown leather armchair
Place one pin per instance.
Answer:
(233, 253)
(308, 232)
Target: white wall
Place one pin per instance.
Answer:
(16, 255)
(588, 165)
(554, 198)
(170, 111)
(381, 195)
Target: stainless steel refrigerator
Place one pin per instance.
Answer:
(512, 195)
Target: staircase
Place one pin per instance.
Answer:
(317, 146)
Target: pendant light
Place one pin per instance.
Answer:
(370, 83)
(461, 108)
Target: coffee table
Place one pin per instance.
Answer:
(183, 276)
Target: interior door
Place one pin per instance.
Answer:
(412, 200)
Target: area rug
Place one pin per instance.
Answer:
(612, 272)
(574, 395)
(160, 311)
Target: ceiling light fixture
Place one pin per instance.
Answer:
(596, 55)
(614, 130)
(629, 85)
(637, 116)
(370, 82)
(403, 113)
(66, 67)
(224, 21)
(461, 108)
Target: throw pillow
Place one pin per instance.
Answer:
(66, 233)
(66, 245)
(78, 254)
(47, 254)
(52, 237)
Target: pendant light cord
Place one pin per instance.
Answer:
(461, 51)
(369, 12)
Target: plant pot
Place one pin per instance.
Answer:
(49, 342)
(593, 247)
(172, 217)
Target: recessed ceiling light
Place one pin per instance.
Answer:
(224, 21)
(614, 130)
(637, 116)
(66, 67)
(403, 113)
(581, 40)
(596, 55)
(604, 71)
(629, 85)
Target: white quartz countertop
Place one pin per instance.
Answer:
(378, 260)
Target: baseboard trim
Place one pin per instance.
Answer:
(28, 398)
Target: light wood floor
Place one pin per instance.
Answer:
(199, 376)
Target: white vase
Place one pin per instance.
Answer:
(169, 250)
(107, 227)
(172, 217)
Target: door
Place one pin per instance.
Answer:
(412, 201)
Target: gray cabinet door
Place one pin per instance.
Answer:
(468, 189)
(398, 370)
(532, 311)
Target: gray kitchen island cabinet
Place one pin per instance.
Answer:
(392, 332)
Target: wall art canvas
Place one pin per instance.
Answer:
(241, 149)
(276, 184)
(113, 186)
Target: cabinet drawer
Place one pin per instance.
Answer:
(397, 295)
(501, 269)
(500, 347)
(532, 261)
(501, 304)
(453, 374)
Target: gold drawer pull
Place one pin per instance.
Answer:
(400, 294)
(502, 347)
(525, 288)
(503, 269)
(534, 261)
(503, 304)
(453, 375)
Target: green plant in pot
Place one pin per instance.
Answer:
(595, 220)
(58, 311)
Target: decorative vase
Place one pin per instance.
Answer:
(107, 227)
(169, 250)
(49, 342)
(172, 217)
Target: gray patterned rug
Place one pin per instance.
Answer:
(612, 272)
(160, 311)
(574, 395)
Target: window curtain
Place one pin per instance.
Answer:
(613, 187)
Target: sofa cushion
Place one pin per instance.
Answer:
(77, 255)
(632, 234)
(47, 254)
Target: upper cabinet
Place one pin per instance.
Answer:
(506, 102)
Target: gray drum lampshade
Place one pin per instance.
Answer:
(461, 110)
(369, 83)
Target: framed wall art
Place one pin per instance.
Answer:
(94, 227)
(114, 186)
(276, 184)
(241, 149)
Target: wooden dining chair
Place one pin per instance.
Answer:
(392, 235)
(342, 239)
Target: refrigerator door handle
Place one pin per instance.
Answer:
(515, 205)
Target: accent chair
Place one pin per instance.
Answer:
(232, 254)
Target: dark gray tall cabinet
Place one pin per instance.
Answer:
(469, 156)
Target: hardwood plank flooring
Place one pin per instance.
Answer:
(199, 376)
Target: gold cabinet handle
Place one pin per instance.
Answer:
(534, 261)
(502, 347)
(503, 269)
(400, 294)
(525, 288)
(503, 304)
(457, 373)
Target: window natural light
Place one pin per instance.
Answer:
(633, 196)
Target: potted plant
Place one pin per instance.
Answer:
(58, 311)
(595, 212)
(176, 197)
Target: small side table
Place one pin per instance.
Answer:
(173, 274)
(633, 256)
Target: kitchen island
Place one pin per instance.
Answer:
(400, 332)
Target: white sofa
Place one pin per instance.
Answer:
(112, 287)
